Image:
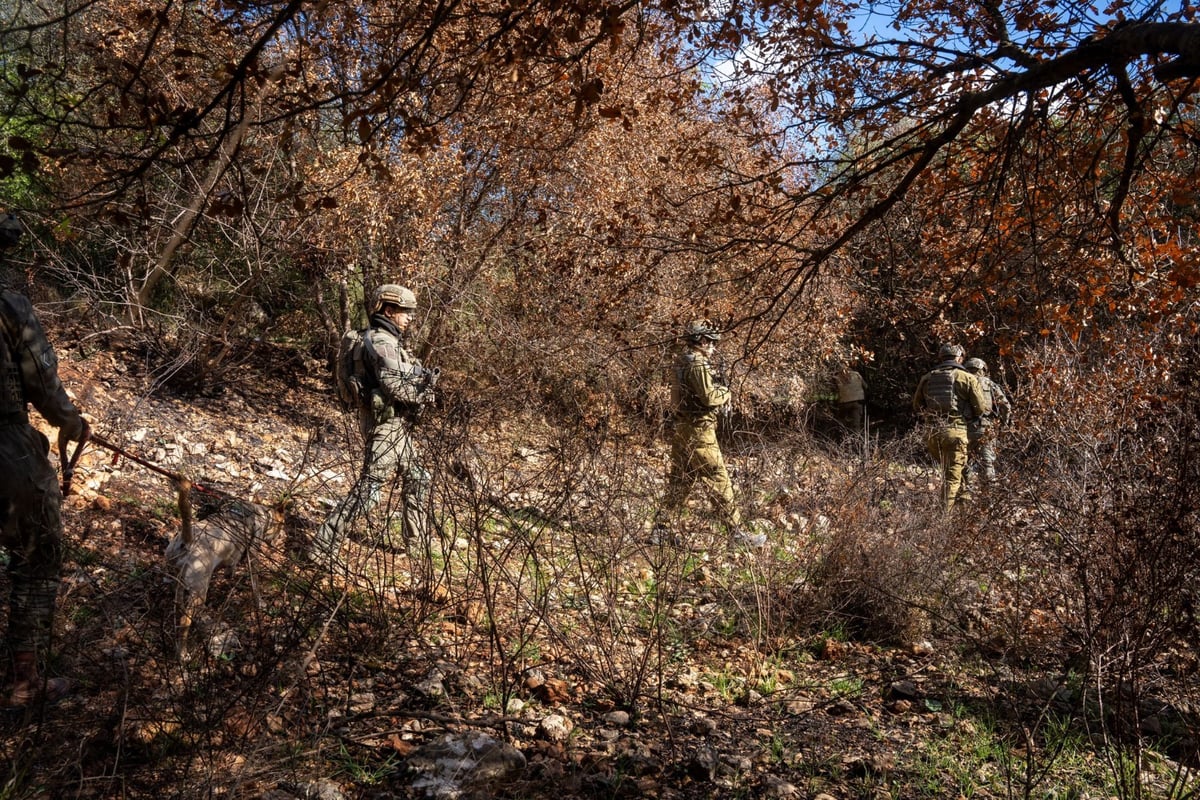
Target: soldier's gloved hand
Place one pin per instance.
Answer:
(429, 379)
(82, 435)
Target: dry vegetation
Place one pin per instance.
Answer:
(207, 187)
(874, 649)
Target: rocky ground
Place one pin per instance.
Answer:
(503, 662)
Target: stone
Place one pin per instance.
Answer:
(903, 690)
(780, 789)
(618, 718)
(455, 765)
(313, 790)
(703, 764)
(555, 728)
(432, 685)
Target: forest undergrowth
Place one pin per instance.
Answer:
(874, 648)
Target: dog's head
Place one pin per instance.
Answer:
(276, 523)
(281, 516)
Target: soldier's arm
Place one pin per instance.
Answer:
(709, 393)
(975, 396)
(918, 400)
(39, 372)
(400, 378)
(1001, 405)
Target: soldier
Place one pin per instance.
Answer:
(30, 498)
(398, 387)
(946, 397)
(695, 455)
(981, 451)
(852, 398)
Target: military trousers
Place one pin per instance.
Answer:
(696, 458)
(852, 414)
(32, 533)
(981, 453)
(948, 445)
(390, 452)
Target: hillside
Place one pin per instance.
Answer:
(561, 654)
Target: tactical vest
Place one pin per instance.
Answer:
(409, 366)
(940, 396)
(12, 389)
(682, 399)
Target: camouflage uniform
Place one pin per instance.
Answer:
(946, 397)
(980, 437)
(30, 498)
(695, 454)
(400, 390)
(852, 398)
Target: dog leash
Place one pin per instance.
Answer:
(118, 452)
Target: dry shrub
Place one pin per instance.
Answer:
(1110, 446)
(1096, 546)
(867, 539)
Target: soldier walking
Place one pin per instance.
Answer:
(30, 498)
(397, 388)
(946, 397)
(852, 398)
(981, 430)
(697, 399)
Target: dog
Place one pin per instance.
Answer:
(222, 537)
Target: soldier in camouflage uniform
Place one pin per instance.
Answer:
(946, 398)
(399, 387)
(30, 498)
(981, 450)
(852, 398)
(695, 455)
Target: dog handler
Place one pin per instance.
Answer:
(30, 499)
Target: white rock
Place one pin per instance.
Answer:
(555, 728)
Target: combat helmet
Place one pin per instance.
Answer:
(699, 331)
(950, 352)
(975, 365)
(393, 294)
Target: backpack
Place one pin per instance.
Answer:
(351, 374)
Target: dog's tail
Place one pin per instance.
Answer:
(184, 488)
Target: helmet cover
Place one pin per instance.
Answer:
(950, 352)
(396, 295)
(701, 330)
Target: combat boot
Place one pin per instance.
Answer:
(29, 688)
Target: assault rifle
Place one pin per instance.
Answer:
(68, 463)
(430, 379)
(425, 390)
(720, 374)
